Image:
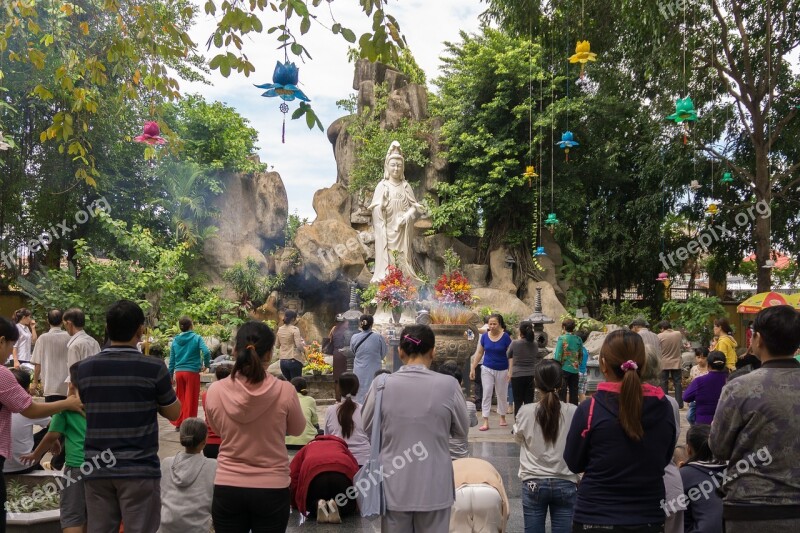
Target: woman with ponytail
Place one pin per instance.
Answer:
(291, 346)
(523, 356)
(252, 411)
(26, 325)
(343, 419)
(541, 431)
(621, 439)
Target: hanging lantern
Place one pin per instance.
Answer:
(662, 277)
(530, 173)
(727, 178)
(695, 185)
(284, 85)
(151, 134)
(712, 209)
(684, 114)
(551, 220)
(583, 55)
(567, 141)
(540, 251)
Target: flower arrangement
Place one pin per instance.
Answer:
(396, 290)
(453, 289)
(316, 360)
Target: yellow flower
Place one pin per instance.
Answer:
(582, 53)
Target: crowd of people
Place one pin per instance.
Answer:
(610, 462)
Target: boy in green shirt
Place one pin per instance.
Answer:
(72, 426)
(569, 351)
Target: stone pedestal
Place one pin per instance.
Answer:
(321, 387)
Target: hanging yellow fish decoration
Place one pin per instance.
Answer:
(583, 55)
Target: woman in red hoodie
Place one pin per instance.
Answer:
(322, 470)
(253, 412)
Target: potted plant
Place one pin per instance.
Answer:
(367, 298)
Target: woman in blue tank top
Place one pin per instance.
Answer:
(495, 373)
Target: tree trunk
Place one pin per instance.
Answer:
(761, 230)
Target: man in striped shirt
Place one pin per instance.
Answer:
(123, 392)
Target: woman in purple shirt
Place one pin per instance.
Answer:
(495, 370)
(706, 390)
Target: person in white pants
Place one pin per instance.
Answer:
(495, 373)
(481, 504)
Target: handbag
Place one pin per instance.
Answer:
(369, 479)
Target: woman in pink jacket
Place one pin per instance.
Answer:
(252, 412)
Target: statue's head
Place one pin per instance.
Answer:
(394, 160)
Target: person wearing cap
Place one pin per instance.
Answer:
(651, 341)
(706, 390)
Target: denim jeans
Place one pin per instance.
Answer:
(291, 368)
(691, 416)
(539, 495)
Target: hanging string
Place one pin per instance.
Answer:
(284, 107)
(552, 121)
(769, 121)
(530, 102)
(566, 82)
(541, 142)
(685, 81)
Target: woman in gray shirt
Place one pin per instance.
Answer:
(420, 411)
(369, 349)
(523, 356)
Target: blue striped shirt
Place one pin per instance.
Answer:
(122, 390)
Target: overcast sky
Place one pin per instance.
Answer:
(306, 161)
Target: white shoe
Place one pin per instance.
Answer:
(328, 512)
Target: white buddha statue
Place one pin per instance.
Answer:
(394, 209)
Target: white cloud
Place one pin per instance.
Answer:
(306, 161)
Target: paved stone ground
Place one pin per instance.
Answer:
(495, 445)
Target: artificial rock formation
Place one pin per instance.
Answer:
(252, 220)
